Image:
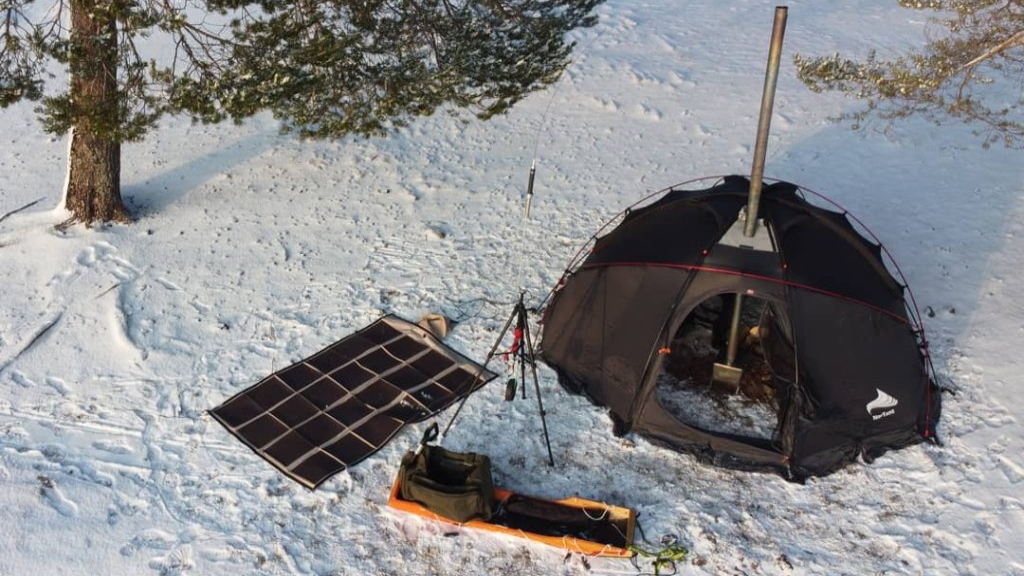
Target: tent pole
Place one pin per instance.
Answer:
(764, 123)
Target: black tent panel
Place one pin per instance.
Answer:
(677, 233)
(330, 411)
(732, 259)
(605, 326)
(851, 357)
(820, 254)
(660, 426)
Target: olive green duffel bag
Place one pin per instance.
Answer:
(450, 484)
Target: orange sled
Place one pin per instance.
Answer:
(611, 538)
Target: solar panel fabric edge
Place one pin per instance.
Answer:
(385, 330)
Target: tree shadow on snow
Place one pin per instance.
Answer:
(938, 201)
(155, 193)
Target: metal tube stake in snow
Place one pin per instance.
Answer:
(529, 187)
(764, 123)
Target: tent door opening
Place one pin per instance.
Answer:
(685, 386)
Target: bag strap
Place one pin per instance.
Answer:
(429, 435)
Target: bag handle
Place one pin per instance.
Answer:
(429, 435)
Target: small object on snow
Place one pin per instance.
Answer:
(510, 390)
(437, 324)
(436, 233)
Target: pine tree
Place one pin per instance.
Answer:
(324, 68)
(971, 69)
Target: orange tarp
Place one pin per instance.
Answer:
(567, 542)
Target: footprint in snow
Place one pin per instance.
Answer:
(152, 539)
(1013, 471)
(53, 496)
(58, 385)
(177, 562)
(21, 379)
(112, 447)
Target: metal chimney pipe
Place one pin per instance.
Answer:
(764, 123)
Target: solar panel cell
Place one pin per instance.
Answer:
(298, 376)
(238, 411)
(318, 467)
(351, 347)
(295, 411)
(379, 394)
(262, 431)
(432, 396)
(350, 449)
(407, 378)
(458, 381)
(433, 363)
(350, 411)
(378, 429)
(269, 392)
(324, 393)
(352, 376)
(380, 332)
(321, 429)
(405, 348)
(408, 410)
(379, 361)
(328, 360)
(289, 448)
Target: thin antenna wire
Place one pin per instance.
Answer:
(543, 123)
(558, 89)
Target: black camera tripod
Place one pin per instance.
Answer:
(521, 355)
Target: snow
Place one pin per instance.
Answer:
(254, 249)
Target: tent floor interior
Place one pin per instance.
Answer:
(686, 389)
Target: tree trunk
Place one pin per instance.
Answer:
(94, 164)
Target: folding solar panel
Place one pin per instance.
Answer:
(328, 412)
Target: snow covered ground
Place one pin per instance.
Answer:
(254, 249)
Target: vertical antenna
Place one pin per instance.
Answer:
(529, 188)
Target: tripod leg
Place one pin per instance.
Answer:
(490, 356)
(522, 364)
(529, 357)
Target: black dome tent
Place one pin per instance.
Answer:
(858, 381)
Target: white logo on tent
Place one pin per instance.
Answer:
(882, 406)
